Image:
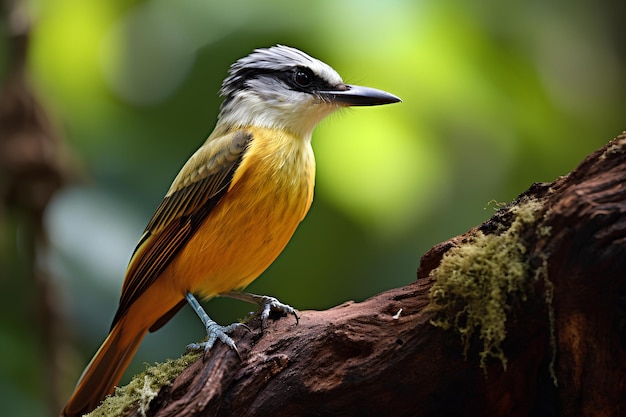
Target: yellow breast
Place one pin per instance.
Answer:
(270, 194)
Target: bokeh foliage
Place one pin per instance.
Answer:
(497, 95)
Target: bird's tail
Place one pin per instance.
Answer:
(105, 369)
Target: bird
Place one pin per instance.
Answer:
(230, 211)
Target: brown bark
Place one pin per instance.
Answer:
(564, 319)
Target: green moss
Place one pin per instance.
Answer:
(477, 283)
(143, 387)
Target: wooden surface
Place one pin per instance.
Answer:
(565, 324)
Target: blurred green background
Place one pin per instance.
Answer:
(496, 95)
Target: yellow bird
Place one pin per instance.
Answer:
(231, 209)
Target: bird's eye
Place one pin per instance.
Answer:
(303, 77)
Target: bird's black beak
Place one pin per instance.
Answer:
(355, 95)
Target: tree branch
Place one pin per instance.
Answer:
(522, 315)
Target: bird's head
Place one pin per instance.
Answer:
(284, 88)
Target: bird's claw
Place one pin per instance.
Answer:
(267, 304)
(218, 332)
(270, 303)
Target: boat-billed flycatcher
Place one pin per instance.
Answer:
(231, 209)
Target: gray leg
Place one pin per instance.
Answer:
(265, 302)
(214, 331)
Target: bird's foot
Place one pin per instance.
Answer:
(267, 304)
(216, 332)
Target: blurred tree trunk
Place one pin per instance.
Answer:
(33, 167)
(524, 315)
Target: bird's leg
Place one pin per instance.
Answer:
(266, 303)
(214, 331)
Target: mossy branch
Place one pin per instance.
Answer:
(539, 288)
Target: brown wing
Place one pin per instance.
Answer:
(199, 186)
